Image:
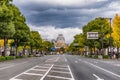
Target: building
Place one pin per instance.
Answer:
(60, 41)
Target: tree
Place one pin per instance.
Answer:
(22, 31)
(116, 30)
(35, 40)
(100, 26)
(47, 45)
(7, 29)
(78, 43)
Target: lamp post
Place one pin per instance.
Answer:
(102, 36)
(110, 39)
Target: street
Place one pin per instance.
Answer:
(60, 67)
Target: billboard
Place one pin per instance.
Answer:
(92, 35)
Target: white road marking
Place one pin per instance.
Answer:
(21, 74)
(52, 60)
(98, 78)
(42, 67)
(33, 74)
(103, 69)
(60, 65)
(118, 65)
(47, 72)
(16, 79)
(60, 68)
(6, 67)
(71, 73)
(59, 77)
(57, 59)
(12, 65)
(38, 70)
(60, 72)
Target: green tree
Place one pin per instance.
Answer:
(101, 26)
(7, 29)
(35, 40)
(47, 45)
(22, 31)
(78, 43)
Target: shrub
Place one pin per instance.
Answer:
(2, 58)
(9, 57)
(105, 56)
(18, 57)
(95, 56)
(29, 55)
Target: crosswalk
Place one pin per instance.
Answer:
(52, 69)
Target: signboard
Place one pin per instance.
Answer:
(92, 35)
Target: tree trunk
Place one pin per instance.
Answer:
(16, 47)
(5, 46)
(31, 50)
(24, 47)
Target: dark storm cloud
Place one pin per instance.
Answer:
(42, 14)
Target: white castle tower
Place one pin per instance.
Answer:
(60, 42)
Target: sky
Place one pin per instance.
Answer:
(67, 17)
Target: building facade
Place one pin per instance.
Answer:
(60, 41)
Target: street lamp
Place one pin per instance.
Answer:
(110, 39)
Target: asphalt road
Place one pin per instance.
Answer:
(60, 67)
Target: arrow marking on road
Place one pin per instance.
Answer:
(98, 78)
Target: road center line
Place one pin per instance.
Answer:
(103, 69)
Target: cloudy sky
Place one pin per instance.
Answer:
(67, 17)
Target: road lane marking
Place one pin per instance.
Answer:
(60, 68)
(33, 74)
(71, 73)
(60, 65)
(17, 79)
(60, 72)
(38, 70)
(42, 67)
(103, 69)
(46, 72)
(52, 59)
(12, 65)
(59, 77)
(98, 78)
(21, 74)
(6, 67)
